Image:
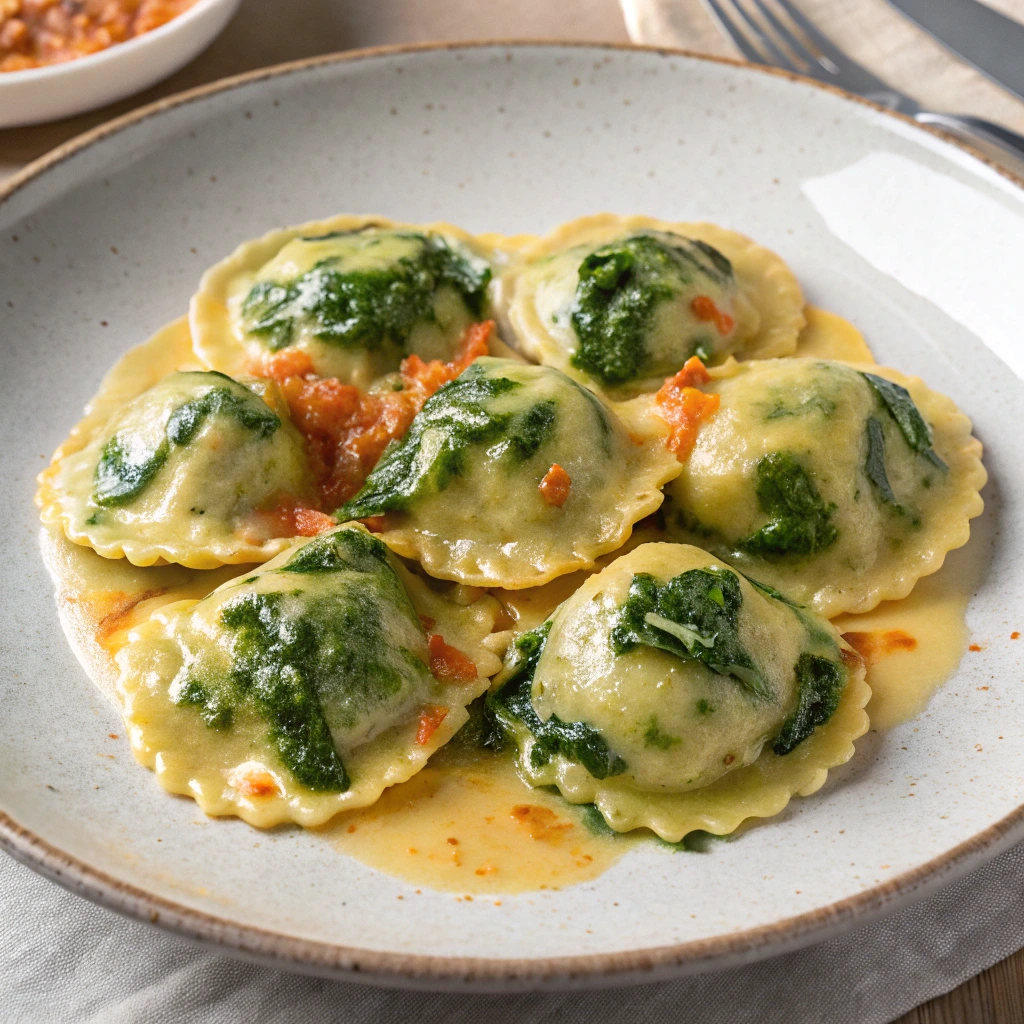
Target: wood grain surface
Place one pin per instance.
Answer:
(271, 31)
(995, 996)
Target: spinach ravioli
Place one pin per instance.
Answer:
(674, 693)
(840, 484)
(352, 295)
(513, 474)
(621, 303)
(181, 473)
(305, 687)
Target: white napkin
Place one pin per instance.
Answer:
(64, 959)
(870, 31)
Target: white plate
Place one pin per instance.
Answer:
(103, 242)
(71, 87)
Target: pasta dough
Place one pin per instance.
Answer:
(674, 693)
(352, 295)
(839, 484)
(304, 688)
(181, 474)
(622, 302)
(465, 492)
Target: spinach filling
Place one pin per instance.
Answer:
(364, 308)
(455, 420)
(820, 685)
(620, 287)
(693, 616)
(512, 706)
(799, 517)
(814, 404)
(897, 402)
(874, 463)
(309, 662)
(125, 469)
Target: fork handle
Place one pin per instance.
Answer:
(998, 138)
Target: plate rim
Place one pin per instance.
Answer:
(280, 950)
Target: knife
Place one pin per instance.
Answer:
(990, 41)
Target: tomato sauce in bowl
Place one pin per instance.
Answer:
(37, 33)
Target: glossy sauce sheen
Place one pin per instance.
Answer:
(912, 646)
(467, 823)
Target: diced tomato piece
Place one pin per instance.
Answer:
(555, 486)
(309, 522)
(252, 780)
(684, 408)
(347, 429)
(448, 663)
(431, 716)
(430, 376)
(704, 308)
(291, 362)
(694, 372)
(287, 518)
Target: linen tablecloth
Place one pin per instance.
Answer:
(66, 960)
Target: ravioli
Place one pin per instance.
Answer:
(306, 687)
(621, 303)
(352, 295)
(184, 472)
(513, 474)
(840, 484)
(673, 693)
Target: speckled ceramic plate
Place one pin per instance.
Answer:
(913, 239)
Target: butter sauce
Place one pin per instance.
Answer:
(913, 646)
(468, 824)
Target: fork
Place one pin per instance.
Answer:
(802, 48)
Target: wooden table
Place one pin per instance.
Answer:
(271, 31)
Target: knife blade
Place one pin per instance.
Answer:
(990, 41)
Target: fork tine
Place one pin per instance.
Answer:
(818, 38)
(774, 53)
(785, 34)
(736, 34)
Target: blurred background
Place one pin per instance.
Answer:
(265, 32)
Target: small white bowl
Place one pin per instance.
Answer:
(71, 87)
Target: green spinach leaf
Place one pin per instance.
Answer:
(364, 308)
(820, 685)
(771, 592)
(305, 661)
(896, 400)
(874, 465)
(512, 704)
(620, 287)
(187, 420)
(799, 517)
(340, 550)
(695, 615)
(655, 736)
(125, 468)
(433, 452)
(456, 419)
